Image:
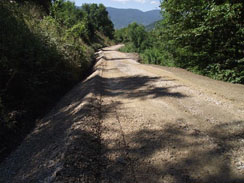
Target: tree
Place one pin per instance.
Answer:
(138, 36)
(98, 15)
(46, 4)
(206, 36)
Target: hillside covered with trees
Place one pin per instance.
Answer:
(123, 17)
(205, 37)
(45, 49)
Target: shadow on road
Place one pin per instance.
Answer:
(79, 127)
(135, 87)
(190, 155)
(111, 59)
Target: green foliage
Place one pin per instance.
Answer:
(66, 13)
(84, 21)
(136, 35)
(80, 30)
(206, 37)
(129, 47)
(45, 4)
(98, 15)
(152, 56)
(121, 35)
(41, 56)
(234, 75)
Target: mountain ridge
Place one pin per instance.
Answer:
(123, 17)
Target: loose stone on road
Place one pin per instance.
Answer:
(130, 122)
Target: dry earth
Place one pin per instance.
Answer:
(130, 122)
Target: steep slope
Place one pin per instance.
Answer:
(41, 58)
(123, 17)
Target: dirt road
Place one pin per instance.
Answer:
(130, 122)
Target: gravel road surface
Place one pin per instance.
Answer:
(136, 123)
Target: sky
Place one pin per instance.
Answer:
(144, 5)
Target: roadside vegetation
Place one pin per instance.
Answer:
(45, 49)
(205, 37)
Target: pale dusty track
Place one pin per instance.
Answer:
(167, 127)
(130, 122)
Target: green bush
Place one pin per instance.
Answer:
(234, 75)
(205, 37)
(128, 48)
(152, 56)
(41, 58)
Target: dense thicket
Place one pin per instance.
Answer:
(41, 57)
(206, 37)
(136, 37)
(45, 4)
(98, 15)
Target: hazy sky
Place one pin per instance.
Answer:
(143, 5)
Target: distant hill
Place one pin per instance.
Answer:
(123, 17)
(152, 26)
